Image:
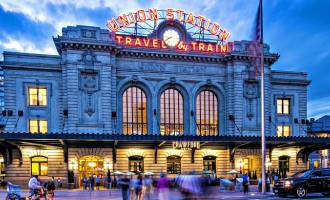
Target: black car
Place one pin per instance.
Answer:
(307, 181)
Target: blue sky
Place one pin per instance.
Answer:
(299, 30)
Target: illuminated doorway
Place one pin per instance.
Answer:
(90, 165)
(252, 165)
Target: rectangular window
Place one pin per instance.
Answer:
(283, 106)
(38, 126)
(283, 131)
(37, 96)
(39, 166)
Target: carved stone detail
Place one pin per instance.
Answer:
(89, 84)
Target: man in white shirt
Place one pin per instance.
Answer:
(34, 184)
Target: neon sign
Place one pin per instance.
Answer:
(145, 42)
(152, 14)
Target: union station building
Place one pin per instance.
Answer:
(101, 105)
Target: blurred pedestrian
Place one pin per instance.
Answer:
(98, 182)
(59, 183)
(147, 183)
(246, 180)
(109, 181)
(91, 183)
(138, 187)
(267, 184)
(84, 182)
(163, 187)
(124, 183)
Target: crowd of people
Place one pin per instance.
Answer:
(141, 187)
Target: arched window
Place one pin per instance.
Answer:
(174, 165)
(207, 113)
(135, 164)
(134, 111)
(171, 113)
(283, 165)
(39, 166)
(209, 163)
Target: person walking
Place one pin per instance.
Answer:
(138, 187)
(91, 183)
(84, 182)
(147, 183)
(98, 182)
(246, 180)
(124, 183)
(163, 186)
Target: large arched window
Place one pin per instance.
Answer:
(134, 111)
(171, 113)
(207, 113)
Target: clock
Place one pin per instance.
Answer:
(171, 37)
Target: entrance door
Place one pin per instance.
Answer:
(89, 166)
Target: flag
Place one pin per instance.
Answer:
(256, 46)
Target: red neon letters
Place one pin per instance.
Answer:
(152, 14)
(145, 42)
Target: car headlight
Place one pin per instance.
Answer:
(288, 183)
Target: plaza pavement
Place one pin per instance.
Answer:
(174, 195)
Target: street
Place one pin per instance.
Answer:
(174, 195)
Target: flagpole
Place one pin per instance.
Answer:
(263, 138)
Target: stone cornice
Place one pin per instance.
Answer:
(108, 46)
(280, 81)
(30, 66)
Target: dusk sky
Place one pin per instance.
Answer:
(299, 30)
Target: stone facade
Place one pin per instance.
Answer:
(85, 83)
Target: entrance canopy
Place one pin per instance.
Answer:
(12, 140)
(108, 140)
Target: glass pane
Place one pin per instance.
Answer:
(279, 106)
(279, 131)
(43, 169)
(33, 98)
(286, 131)
(35, 168)
(39, 159)
(33, 126)
(43, 126)
(286, 106)
(42, 98)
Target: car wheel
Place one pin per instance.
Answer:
(327, 194)
(301, 192)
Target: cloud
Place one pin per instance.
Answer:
(22, 45)
(318, 107)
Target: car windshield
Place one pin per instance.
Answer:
(302, 174)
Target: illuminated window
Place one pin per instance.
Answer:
(134, 111)
(207, 113)
(283, 131)
(209, 163)
(37, 96)
(246, 165)
(283, 106)
(316, 164)
(171, 113)
(135, 164)
(39, 166)
(38, 126)
(173, 165)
